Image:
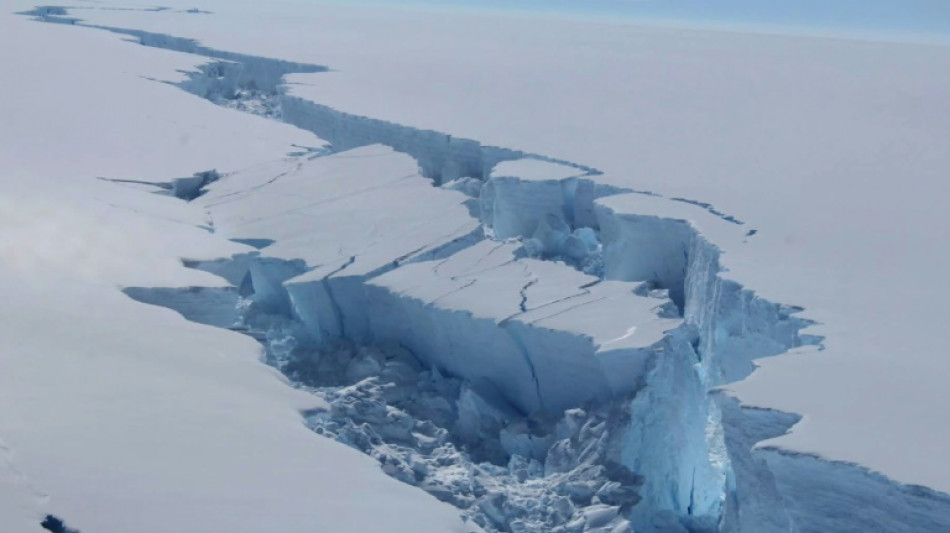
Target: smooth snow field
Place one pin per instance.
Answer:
(307, 267)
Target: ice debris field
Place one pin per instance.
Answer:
(514, 334)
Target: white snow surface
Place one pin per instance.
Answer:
(832, 149)
(117, 416)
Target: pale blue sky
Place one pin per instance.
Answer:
(910, 19)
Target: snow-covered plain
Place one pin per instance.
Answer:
(709, 164)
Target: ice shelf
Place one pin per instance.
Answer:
(496, 326)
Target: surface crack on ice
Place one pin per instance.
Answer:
(302, 209)
(466, 285)
(183, 188)
(712, 210)
(523, 305)
(162, 185)
(221, 199)
(526, 354)
(569, 309)
(337, 310)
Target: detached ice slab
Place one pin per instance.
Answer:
(503, 322)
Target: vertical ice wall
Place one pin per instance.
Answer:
(685, 466)
(441, 157)
(733, 327)
(688, 462)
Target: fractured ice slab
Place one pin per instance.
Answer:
(326, 210)
(495, 318)
(348, 216)
(538, 336)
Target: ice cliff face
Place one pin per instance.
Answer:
(504, 332)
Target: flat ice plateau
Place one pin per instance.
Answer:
(473, 273)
